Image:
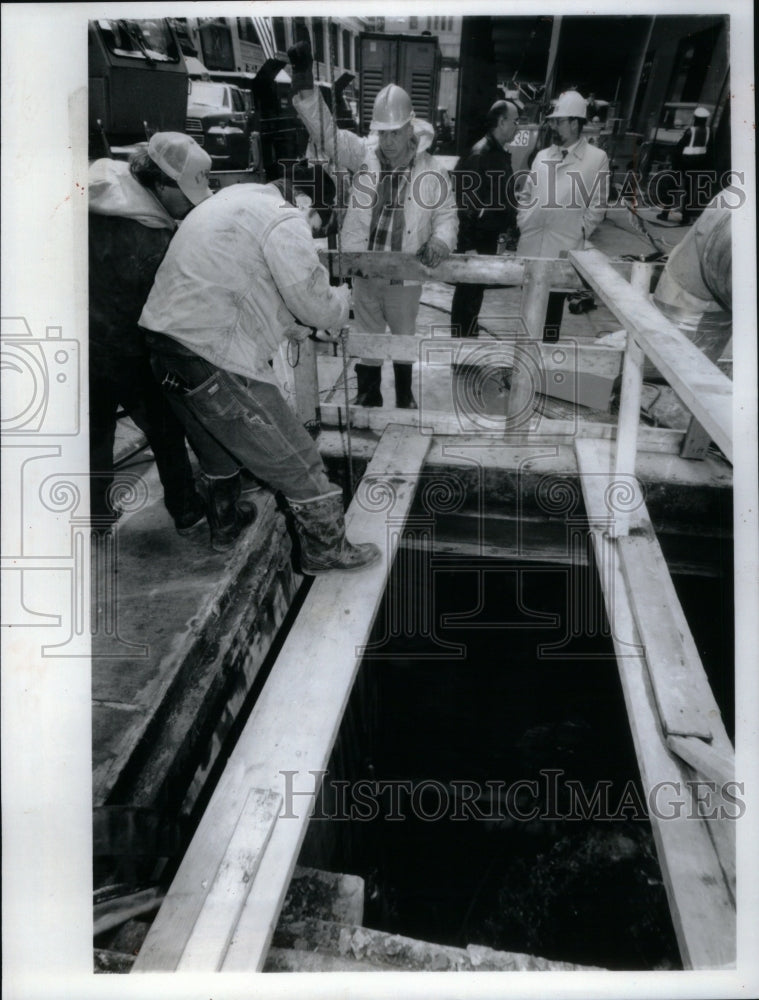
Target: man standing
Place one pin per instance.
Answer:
(690, 161)
(133, 210)
(485, 196)
(239, 277)
(565, 195)
(401, 199)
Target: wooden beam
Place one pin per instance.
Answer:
(207, 945)
(697, 441)
(525, 381)
(716, 766)
(677, 675)
(481, 269)
(543, 430)
(702, 387)
(701, 901)
(287, 741)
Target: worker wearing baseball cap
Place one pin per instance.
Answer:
(133, 213)
(565, 195)
(401, 199)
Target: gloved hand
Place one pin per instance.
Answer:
(301, 63)
(433, 251)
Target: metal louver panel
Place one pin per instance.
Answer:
(371, 85)
(421, 93)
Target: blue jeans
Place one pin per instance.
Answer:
(232, 421)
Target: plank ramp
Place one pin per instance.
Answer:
(697, 856)
(702, 387)
(284, 747)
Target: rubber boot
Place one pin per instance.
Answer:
(369, 379)
(404, 397)
(226, 518)
(320, 526)
(191, 513)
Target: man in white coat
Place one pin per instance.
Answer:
(565, 195)
(401, 199)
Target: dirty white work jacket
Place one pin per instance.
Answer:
(430, 205)
(562, 201)
(240, 271)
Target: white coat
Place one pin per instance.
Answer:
(562, 201)
(430, 205)
(240, 271)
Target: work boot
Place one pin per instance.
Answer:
(320, 526)
(226, 517)
(404, 397)
(190, 514)
(369, 379)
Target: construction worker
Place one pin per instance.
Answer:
(691, 159)
(401, 198)
(487, 210)
(133, 213)
(239, 277)
(565, 195)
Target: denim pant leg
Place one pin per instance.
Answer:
(250, 420)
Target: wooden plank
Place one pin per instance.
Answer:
(481, 269)
(114, 912)
(629, 407)
(716, 766)
(677, 675)
(543, 430)
(702, 906)
(568, 357)
(293, 725)
(207, 945)
(702, 387)
(525, 381)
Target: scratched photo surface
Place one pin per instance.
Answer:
(525, 739)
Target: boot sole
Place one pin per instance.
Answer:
(341, 569)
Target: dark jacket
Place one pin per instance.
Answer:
(484, 188)
(124, 257)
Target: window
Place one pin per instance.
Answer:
(211, 95)
(413, 23)
(150, 40)
(317, 25)
(280, 39)
(246, 31)
(334, 50)
(356, 53)
(346, 50)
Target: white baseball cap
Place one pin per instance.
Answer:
(184, 161)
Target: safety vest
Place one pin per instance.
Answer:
(691, 149)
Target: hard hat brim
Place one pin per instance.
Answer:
(376, 126)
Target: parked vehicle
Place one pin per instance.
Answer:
(219, 118)
(664, 135)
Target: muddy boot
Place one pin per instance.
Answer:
(369, 378)
(226, 518)
(320, 526)
(404, 397)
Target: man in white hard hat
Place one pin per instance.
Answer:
(691, 161)
(565, 195)
(401, 199)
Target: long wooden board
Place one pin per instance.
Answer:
(293, 725)
(456, 269)
(701, 901)
(702, 387)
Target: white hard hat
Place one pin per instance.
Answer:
(392, 108)
(700, 113)
(570, 105)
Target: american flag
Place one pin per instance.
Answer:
(266, 35)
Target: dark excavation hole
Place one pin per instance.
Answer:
(487, 715)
